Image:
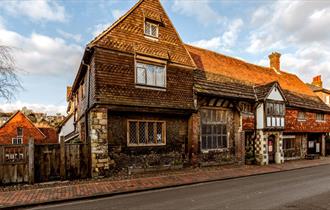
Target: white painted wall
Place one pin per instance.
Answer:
(260, 116)
(68, 127)
(275, 94)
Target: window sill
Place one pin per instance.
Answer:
(152, 38)
(150, 87)
(205, 151)
(301, 120)
(320, 121)
(145, 145)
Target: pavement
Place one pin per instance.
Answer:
(289, 190)
(105, 188)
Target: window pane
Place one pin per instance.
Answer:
(132, 133)
(159, 133)
(154, 30)
(141, 75)
(204, 142)
(160, 76)
(151, 134)
(142, 133)
(151, 75)
(147, 28)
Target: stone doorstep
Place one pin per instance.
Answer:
(165, 181)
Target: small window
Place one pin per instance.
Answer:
(320, 117)
(301, 116)
(17, 141)
(19, 132)
(151, 29)
(150, 75)
(146, 133)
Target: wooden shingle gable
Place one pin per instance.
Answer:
(127, 35)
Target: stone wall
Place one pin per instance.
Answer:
(132, 159)
(98, 125)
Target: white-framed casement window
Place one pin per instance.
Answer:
(150, 75)
(214, 135)
(17, 140)
(151, 29)
(146, 133)
(320, 117)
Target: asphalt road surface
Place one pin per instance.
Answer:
(299, 189)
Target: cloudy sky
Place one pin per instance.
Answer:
(48, 37)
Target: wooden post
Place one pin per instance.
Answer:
(31, 161)
(62, 165)
(323, 143)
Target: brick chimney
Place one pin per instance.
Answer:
(274, 60)
(317, 81)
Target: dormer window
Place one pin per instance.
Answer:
(151, 29)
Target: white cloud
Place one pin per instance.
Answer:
(299, 29)
(117, 13)
(66, 35)
(36, 10)
(99, 28)
(225, 41)
(40, 54)
(290, 23)
(49, 109)
(199, 9)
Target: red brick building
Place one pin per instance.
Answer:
(19, 129)
(144, 100)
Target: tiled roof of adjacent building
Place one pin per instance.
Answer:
(232, 77)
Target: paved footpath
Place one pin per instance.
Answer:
(99, 188)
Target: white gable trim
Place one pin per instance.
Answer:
(275, 94)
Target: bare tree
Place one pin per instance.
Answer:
(9, 82)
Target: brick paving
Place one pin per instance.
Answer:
(105, 187)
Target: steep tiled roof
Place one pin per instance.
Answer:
(243, 77)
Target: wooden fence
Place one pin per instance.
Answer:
(43, 162)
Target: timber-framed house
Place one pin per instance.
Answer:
(144, 100)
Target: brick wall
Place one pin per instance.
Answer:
(292, 124)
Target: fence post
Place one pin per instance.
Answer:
(31, 161)
(62, 165)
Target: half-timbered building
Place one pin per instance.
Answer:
(144, 100)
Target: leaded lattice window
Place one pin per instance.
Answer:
(146, 133)
(151, 29)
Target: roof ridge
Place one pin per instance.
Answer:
(237, 59)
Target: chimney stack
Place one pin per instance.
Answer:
(274, 60)
(317, 81)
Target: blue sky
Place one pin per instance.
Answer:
(48, 37)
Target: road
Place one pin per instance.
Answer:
(300, 189)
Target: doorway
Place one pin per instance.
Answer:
(271, 149)
(314, 144)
